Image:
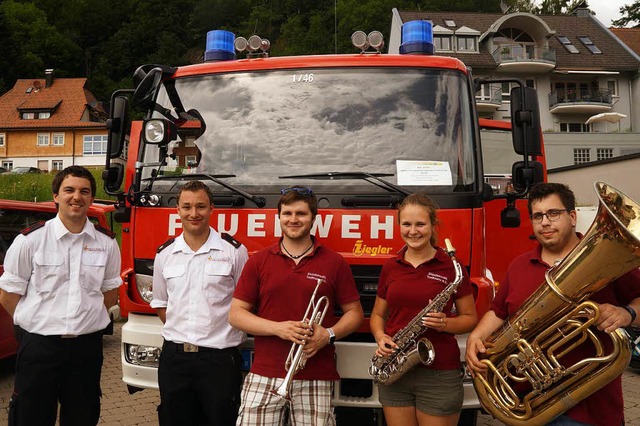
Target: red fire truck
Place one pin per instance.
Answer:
(363, 130)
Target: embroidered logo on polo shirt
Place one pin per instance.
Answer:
(314, 276)
(437, 277)
(93, 249)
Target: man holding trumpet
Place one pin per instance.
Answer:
(279, 286)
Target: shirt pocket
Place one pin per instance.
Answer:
(218, 280)
(174, 275)
(92, 271)
(49, 269)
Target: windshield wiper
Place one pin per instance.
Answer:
(259, 201)
(374, 178)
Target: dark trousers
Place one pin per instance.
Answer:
(199, 388)
(52, 370)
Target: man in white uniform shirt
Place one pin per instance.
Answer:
(60, 277)
(194, 277)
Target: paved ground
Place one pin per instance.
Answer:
(120, 409)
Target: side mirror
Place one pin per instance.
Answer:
(113, 177)
(117, 126)
(525, 121)
(146, 90)
(525, 177)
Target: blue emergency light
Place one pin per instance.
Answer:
(417, 38)
(219, 46)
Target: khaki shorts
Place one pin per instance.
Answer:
(434, 392)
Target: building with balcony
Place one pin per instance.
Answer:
(577, 65)
(51, 124)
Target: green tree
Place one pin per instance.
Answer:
(630, 15)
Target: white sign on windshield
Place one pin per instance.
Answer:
(423, 173)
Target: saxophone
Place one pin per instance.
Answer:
(411, 350)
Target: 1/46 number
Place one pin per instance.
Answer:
(303, 78)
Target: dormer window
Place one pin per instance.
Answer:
(442, 39)
(466, 44)
(467, 39)
(35, 115)
(442, 42)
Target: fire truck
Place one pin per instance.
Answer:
(363, 130)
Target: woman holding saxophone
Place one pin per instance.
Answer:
(425, 395)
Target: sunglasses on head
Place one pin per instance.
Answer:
(300, 190)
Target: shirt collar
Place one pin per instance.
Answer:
(60, 230)
(275, 249)
(214, 242)
(536, 253)
(440, 256)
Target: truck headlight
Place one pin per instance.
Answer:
(144, 285)
(147, 356)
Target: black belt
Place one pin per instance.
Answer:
(18, 331)
(189, 348)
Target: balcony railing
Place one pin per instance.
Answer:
(580, 96)
(492, 96)
(519, 53)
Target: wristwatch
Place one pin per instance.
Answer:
(332, 336)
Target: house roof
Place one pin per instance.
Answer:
(630, 36)
(614, 55)
(66, 98)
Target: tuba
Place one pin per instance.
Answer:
(296, 360)
(557, 318)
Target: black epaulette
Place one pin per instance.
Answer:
(37, 225)
(109, 233)
(165, 244)
(228, 238)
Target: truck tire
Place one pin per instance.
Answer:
(468, 418)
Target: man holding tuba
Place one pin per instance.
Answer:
(553, 217)
(276, 289)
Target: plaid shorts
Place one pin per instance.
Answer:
(310, 403)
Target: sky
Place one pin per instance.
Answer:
(607, 10)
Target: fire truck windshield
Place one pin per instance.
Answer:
(415, 126)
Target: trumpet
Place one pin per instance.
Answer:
(297, 360)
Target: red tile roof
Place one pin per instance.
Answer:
(630, 37)
(68, 98)
(614, 57)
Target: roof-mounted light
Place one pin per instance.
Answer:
(376, 40)
(255, 46)
(359, 40)
(362, 41)
(417, 38)
(219, 46)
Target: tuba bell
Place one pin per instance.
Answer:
(528, 348)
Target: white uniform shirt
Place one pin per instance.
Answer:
(196, 288)
(61, 277)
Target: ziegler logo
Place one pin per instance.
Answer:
(359, 249)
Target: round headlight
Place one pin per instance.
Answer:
(376, 40)
(154, 131)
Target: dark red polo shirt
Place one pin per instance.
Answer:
(408, 290)
(280, 290)
(524, 275)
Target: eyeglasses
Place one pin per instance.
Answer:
(300, 190)
(553, 215)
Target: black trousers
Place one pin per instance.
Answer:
(52, 370)
(199, 388)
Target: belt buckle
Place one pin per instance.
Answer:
(188, 347)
